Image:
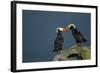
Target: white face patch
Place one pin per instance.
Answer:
(71, 25)
(61, 29)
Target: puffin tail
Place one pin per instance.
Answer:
(84, 40)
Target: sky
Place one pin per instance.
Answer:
(39, 32)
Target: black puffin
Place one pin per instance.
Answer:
(58, 43)
(76, 33)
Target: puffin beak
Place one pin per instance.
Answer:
(65, 30)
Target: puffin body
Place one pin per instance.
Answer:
(77, 34)
(58, 43)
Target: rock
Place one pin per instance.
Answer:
(76, 52)
(59, 57)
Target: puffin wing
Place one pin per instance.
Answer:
(78, 36)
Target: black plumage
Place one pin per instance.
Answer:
(77, 35)
(58, 43)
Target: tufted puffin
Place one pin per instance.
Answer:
(76, 33)
(58, 43)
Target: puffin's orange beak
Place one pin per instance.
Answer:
(65, 30)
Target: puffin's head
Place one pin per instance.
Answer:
(60, 29)
(71, 26)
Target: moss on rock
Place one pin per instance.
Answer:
(76, 52)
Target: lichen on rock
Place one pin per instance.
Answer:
(76, 52)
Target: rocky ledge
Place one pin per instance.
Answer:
(76, 52)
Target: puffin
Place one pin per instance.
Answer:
(79, 37)
(58, 43)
